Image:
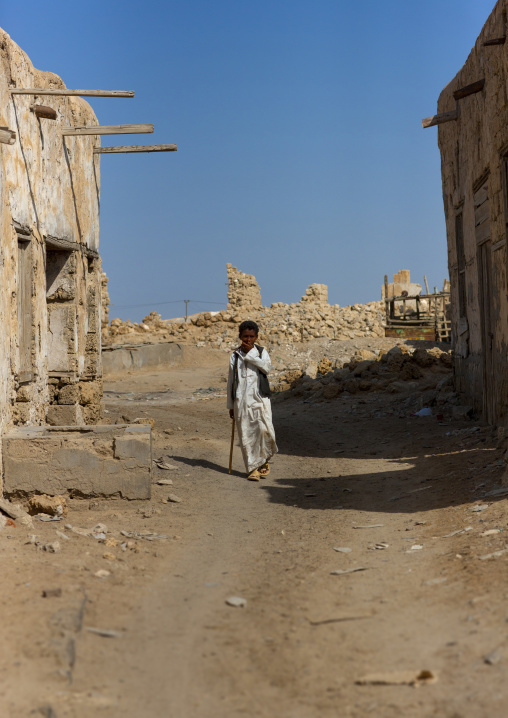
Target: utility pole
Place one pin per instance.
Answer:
(186, 304)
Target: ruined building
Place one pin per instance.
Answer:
(50, 273)
(473, 140)
(51, 280)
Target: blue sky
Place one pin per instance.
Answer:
(301, 156)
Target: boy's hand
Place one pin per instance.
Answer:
(231, 414)
(247, 347)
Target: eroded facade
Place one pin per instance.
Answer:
(50, 270)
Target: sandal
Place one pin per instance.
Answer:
(254, 475)
(264, 470)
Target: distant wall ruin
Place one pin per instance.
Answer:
(310, 318)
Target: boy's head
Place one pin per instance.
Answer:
(248, 333)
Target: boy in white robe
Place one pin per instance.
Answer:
(247, 404)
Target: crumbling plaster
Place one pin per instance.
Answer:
(472, 148)
(49, 185)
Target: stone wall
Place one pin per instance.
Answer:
(310, 318)
(474, 162)
(50, 359)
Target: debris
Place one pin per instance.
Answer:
(164, 465)
(423, 412)
(52, 593)
(491, 532)
(372, 526)
(3, 521)
(61, 535)
(104, 632)
(174, 499)
(48, 517)
(435, 581)
(109, 556)
(379, 546)
(342, 572)
(98, 532)
(342, 550)
(165, 482)
(14, 511)
(147, 536)
(496, 554)
(52, 505)
(492, 658)
(236, 601)
(398, 678)
(416, 547)
(480, 507)
(102, 573)
(53, 547)
(340, 619)
(458, 531)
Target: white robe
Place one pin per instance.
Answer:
(253, 413)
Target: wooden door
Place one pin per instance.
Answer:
(487, 329)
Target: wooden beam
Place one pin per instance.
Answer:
(439, 119)
(7, 136)
(471, 89)
(495, 41)
(107, 130)
(134, 148)
(70, 93)
(42, 111)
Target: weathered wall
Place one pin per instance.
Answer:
(474, 150)
(310, 318)
(49, 192)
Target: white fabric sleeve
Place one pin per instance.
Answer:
(230, 402)
(260, 362)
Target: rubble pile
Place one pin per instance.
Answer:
(311, 318)
(418, 378)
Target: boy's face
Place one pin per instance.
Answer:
(248, 338)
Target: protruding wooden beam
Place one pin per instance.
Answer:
(495, 41)
(70, 93)
(439, 119)
(7, 136)
(107, 130)
(42, 111)
(471, 89)
(134, 148)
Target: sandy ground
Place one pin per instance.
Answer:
(306, 636)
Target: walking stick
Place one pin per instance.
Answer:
(232, 443)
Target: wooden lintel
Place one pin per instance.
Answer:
(107, 130)
(66, 245)
(495, 41)
(134, 148)
(439, 119)
(7, 136)
(471, 89)
(64, 92)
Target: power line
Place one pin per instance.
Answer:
(174, 301)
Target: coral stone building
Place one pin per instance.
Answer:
(473, 140)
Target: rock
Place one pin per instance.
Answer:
(422, 357)
(52, 505)
(236, 601)
(174, 499)
(324, 366)
(462, 412)
(331, 391)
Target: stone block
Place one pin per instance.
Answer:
(69, 394)
(90, 392)
(78, 461)
(92, 413)
(64, 415)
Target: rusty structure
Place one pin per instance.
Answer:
(473, 140)
(409, 314)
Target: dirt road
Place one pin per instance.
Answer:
(392, 490)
